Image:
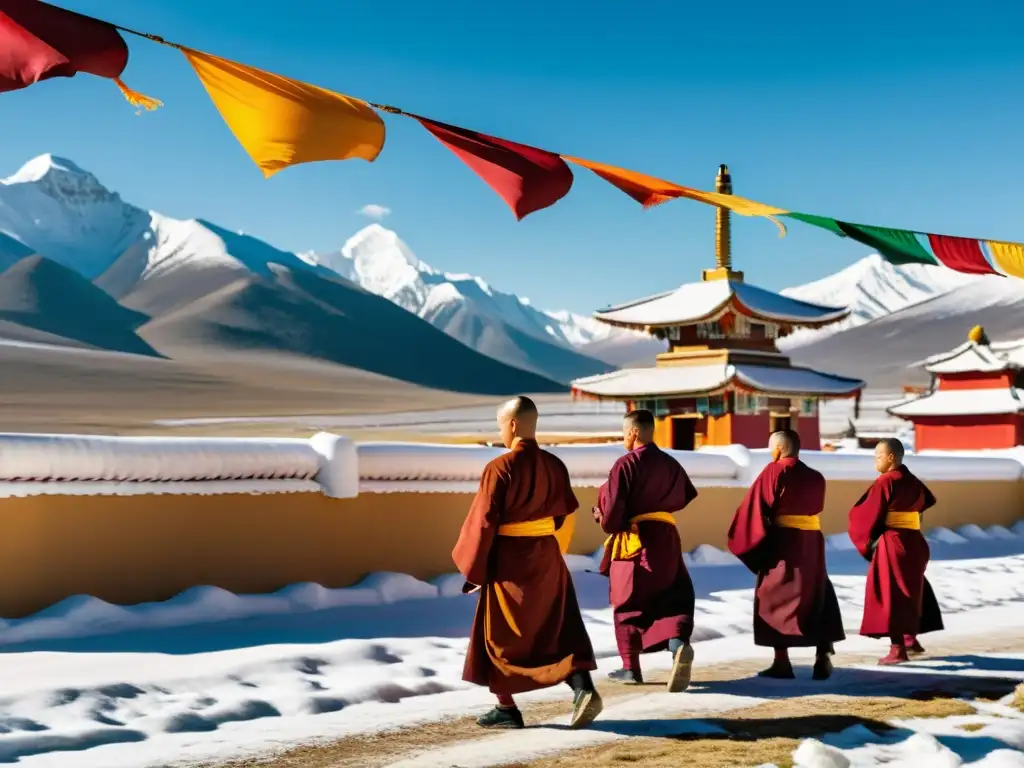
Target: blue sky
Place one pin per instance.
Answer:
(903, 113)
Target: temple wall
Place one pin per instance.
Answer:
(137, 520)
(967, 433)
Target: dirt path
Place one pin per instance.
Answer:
(768, 732)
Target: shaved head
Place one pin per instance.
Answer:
(517, 418)
(637, 429)
(890, 446)
(786, 442)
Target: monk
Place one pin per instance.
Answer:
(528, 632)
(885, 526)
(651, 592)
(776, 533)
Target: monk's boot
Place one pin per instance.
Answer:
(682, 667)
(914, 648)
(897, 655)
(627, 676)
(779, 670)
(502, 717)
(586, 701)
(822, 667)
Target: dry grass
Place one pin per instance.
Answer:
(767, 733)
(1017, 702)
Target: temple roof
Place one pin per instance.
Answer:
(689, 380)
(962, 402)
(694, 302)
(972, 357)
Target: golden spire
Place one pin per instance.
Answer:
(723, 233)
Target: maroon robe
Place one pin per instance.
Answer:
(528, 631)
(795, 604)
(898, 600)
(651, 594)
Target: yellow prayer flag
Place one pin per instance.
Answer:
(282, 122)
(1009, 257)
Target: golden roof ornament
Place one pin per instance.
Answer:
(977, 335)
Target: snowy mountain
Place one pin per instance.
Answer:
(159, 266)
(886, 351)
(873, 288)
(378, 260)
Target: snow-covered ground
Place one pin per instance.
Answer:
(211, 675)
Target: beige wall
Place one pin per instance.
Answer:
(132, 549)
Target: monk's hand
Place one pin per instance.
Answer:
(469, 588)
(596, 513)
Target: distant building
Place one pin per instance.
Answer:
(976, 399)
(722, 379)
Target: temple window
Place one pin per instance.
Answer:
(808, 406)
(745, 403)
(672, 332)
(711, 330)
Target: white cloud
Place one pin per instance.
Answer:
(374, 211)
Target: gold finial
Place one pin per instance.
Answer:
(977, 335)
(723, 233)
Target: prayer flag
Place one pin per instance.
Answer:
(39, 41)
(961, 253)
(1009, 257)
(646, 190)
(282, 122)
(527, 179)
(898, 246)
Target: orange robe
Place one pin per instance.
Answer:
(528, 631)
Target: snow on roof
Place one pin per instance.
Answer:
(693, 302)
(971, 357)
(681, 380)
(962, 402)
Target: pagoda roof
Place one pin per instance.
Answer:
(962, 402)
(972, 357)
(694, 302)
(712, 378)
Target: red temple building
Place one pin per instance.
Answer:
(722, 379)
(976, 398)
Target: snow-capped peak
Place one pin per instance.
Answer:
(56, 208)
(872, 288)
(39, 167)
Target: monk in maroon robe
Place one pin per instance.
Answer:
(885, 526)
(528, 632)
(651, 592)
(776, 533)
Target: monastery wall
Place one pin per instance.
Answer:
(133, 520)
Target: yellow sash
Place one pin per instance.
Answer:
(543, 527)
(627, 545)
(799, 522)
(908, 521)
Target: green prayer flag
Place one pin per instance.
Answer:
(897, 246)
(819, 221)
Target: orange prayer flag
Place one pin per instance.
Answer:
(282, 122)
(649, 190)
(646, 190)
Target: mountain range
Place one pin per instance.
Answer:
(81, 268)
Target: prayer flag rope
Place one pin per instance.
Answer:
(281, 122)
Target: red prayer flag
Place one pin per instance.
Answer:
(39, 41)
(527, 178)
(961, 253)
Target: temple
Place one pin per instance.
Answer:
(722, 379)
(976, 398)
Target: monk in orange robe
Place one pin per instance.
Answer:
(885, 526)
(528, 632)
(650, 589)
(776, 533)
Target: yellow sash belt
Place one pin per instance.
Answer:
(627, 545)
(799, 522)
(543, 527)
(908, 521)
